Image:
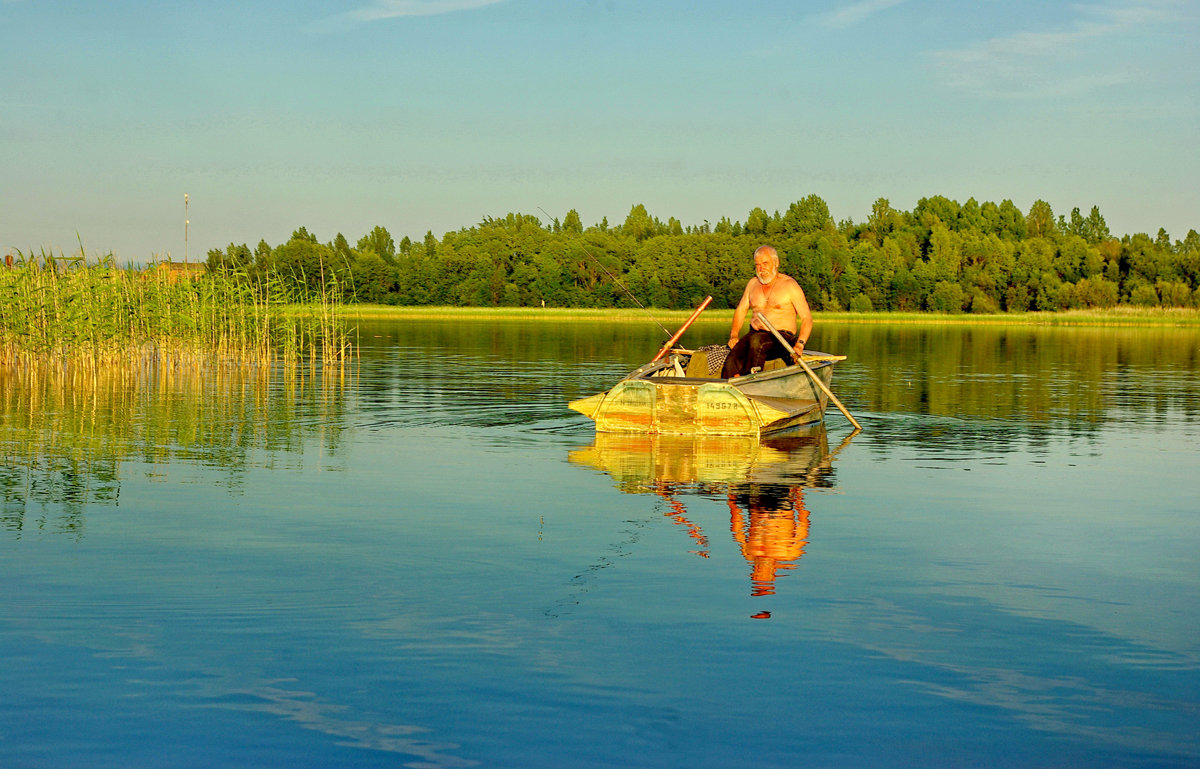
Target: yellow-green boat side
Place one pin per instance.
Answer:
(658, 399)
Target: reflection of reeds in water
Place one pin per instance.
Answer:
(66, 430)
(97, 313)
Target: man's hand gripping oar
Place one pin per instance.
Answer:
(800, 359)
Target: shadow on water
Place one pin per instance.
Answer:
(761, 481)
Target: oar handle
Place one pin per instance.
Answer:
(800, 359)
(684, 327)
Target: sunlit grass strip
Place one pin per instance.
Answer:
(66, 307)
(554, 314)
(1117, 316)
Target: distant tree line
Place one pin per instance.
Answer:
(941, 256)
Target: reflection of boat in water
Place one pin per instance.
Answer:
(763, 483)
(679, 395)
(644, 462)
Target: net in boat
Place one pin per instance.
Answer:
(715, 355)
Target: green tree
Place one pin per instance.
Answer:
(983, 303)
(1097, 291)
(970, 217)
(305, 262)
(1190, 244)
(861, 303)
(1039, 222)
(1095, 228)
(1077, 225)
(807, 216)
(1011, 224)
(1071, 260)
(989, 218)
(882, 220)
(936, 209)
(947, 296)
(1143, 295)
(233, 259)
(1016, 298)
(638, 224)
(1174, 293)
(995, 255)
(372, 279)
(380, 241)
(756, 222)
(945, 253)
(906, 292)
(1145, 260)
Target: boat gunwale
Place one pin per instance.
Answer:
(759, 376)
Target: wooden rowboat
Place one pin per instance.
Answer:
(677, 395)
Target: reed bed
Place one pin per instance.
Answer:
(76, 312)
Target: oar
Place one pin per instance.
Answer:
(679, 333)
(799, 359)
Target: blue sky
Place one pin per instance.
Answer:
(432, 114)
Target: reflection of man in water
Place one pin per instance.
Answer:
(775, 534)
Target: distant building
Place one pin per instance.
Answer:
(176, 271)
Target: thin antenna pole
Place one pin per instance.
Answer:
(186, 222)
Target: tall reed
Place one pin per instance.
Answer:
(68, 308)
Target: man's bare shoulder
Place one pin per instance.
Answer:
(791, 283)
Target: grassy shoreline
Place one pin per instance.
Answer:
(1119, 316)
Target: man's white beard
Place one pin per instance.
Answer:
(766, 281)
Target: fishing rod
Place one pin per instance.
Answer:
(615, 280)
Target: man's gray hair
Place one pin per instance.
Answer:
(770, 250)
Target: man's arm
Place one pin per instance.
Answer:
(739, 317)
(804, 319)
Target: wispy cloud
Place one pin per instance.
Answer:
(1038, 63)
(390, 9)
(849, 15)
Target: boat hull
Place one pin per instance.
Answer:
(760, 404)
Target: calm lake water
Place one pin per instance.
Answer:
(431, 562)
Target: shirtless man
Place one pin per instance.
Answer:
(782, 301)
